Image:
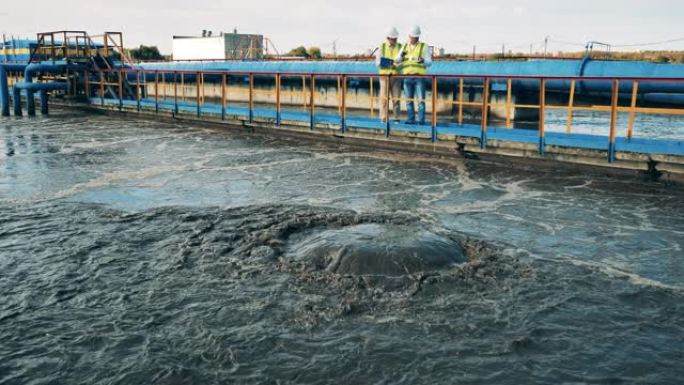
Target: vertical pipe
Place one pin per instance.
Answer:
(460, 102)
(223, 96)
(434, 108)
(156, 91)
(571, 106)
(542, 117)
(16, 98)
(43, 102)
(251, 97)
(509, 102)
(632, 109)
(343, 103)
(278, 79)
(613, 120)
(198, 95)
(312, 105)
(485, 114)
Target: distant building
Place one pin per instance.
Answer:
(223, 46)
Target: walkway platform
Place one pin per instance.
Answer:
(525, 136)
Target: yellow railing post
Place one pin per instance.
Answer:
(485, 113)
(223, 96)
(102, 88)
(632, 109)
(542, 115)
(460, 101)
(613, 120)
(571, 106)
(312, 105)
(278, 79)
(156, 91)
(509, 98)
(434, 108)
(372, 98)
(251, 97)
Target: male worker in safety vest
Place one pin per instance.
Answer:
(414, 59)
(384, 60)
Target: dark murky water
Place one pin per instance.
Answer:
(136, 252)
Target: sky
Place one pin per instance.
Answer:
(358, 25)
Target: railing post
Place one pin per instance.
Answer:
(175, 91)
(102, 88)
(156, 91)
(371, 93)
(434, 109)
(251, 97)
(388, 104)
(120, 90)
(278, 99)
(312, 102)
(571, 106)
(137, 90)
(613, 120)
(86, 85)
(223, 96)
(632, 109)
(197, 83)
(509, 102)
(460, 101)
(485, 114)
(542, 112)
(343, 110)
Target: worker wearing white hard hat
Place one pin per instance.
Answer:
(390, 88)
(414, 59)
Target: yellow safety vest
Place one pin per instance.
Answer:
(410, 65)
(387, 52)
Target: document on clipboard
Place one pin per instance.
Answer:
(386, 63)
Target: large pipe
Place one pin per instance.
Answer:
(4, 86)
(31, 88)
(31, 70)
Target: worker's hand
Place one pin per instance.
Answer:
(421, 60)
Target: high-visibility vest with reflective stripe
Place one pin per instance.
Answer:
(387, 52)
(410, 65)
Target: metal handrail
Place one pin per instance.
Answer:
(485, 105)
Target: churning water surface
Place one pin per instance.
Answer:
(138, 252)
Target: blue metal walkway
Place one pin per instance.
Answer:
(569, 140)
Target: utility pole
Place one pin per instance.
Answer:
(503, 51)
(546, 45)
(334, 46)
(474, 52)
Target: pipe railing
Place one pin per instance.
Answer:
(219, 82)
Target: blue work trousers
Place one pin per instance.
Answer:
(415, 87)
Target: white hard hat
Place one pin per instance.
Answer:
(415, 32)
(392, 33)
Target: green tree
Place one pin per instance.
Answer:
(299, 52)
(315, 53)
(146, 53)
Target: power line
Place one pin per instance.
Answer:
(652, 43)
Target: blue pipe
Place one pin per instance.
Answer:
(4, 87)
(31, 88)
(31, 70)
